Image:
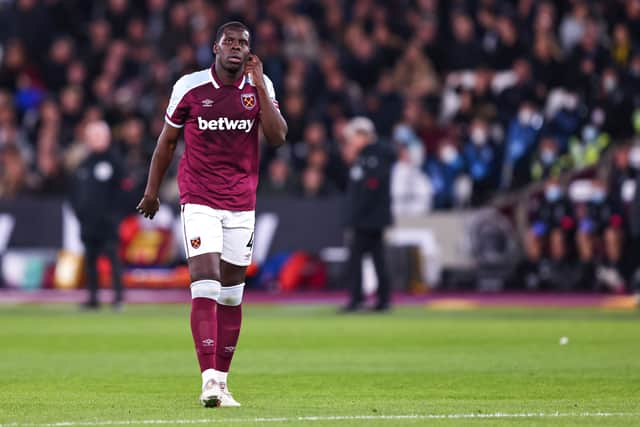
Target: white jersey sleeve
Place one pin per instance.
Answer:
(271, 92)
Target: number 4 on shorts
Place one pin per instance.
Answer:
(250, 244)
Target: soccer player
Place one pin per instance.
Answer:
(220, 110)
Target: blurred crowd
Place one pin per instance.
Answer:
(584, 233)
(477, 97)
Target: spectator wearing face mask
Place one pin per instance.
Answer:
(624, 168)
(600, 240)
(520, 141)
(443, 171)
(615, 104)
(411, 191)
(546, 241)
(562, 117)
(587, 150)
(548, 162)
(481, 158)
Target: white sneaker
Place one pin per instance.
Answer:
(226, 399)
(211, 394)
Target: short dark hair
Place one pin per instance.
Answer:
(231, 24)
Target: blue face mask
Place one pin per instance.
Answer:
(548, 156)
(598, 196)
(553, 193)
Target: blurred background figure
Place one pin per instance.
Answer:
(95, 198)
(411, 190)
(548, 240)
(368, 208)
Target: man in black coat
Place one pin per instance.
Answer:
(95, 199)
(368, 207)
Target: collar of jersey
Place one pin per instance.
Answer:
(214, 80)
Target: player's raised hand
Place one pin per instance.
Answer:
(148, 206)
(253, 68)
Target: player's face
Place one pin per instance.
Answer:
(233, 49)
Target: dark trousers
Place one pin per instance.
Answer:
(363, 242)
(109, 247)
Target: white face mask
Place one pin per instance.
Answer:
(416, 154)
(524, 116)
(479, 136)
(634, 157)
(589, 133)
(448, 154)
(547, 156)
(610, 84)
(553, 193)
(598, 195)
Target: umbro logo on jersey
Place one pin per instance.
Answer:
(207, 102)
(225, 123)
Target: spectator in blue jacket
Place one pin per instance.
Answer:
(443, 172)
(520, 143)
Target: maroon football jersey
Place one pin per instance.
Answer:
(219, 167)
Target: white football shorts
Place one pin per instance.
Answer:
(215, 230)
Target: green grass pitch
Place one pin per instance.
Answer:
(415, 366)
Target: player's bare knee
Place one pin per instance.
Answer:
(205, 267)
(232, 274)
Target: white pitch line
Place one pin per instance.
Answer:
(332, 418)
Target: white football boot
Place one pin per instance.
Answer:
(226, 399)
(211, 396)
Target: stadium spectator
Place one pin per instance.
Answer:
(312, 184)
(599, 240)
(279, 180)
(443, 172)
(411, 191)
(548, 240)
(520, 141)
(482, 160)
(548, 162)
(13, 173)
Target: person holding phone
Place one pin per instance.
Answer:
(220, 110)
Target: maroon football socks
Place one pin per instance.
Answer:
(229, 316)
(203, 329)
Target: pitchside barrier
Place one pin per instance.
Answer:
(40, 245)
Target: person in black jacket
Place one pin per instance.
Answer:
(96, 189)
(368, 207)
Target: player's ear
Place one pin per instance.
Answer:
(215, 48)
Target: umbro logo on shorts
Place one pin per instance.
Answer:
(208, 342)
(195, 243)
(229, 349)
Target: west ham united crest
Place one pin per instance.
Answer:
(195, 243)
(248, 100)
